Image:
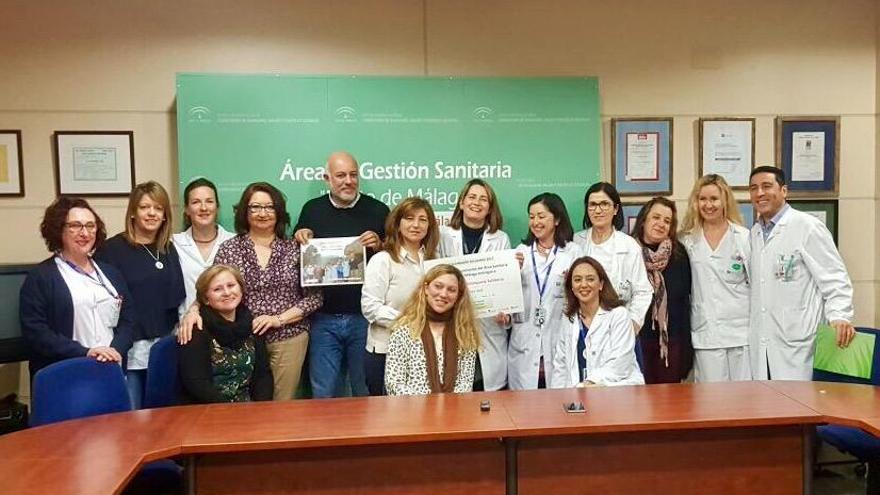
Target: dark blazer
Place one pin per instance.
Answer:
(46, 314)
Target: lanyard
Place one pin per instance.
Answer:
(542, 287)
(584, 330)
(98, 278)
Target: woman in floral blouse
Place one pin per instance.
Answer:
(269, 264)
(434, 342)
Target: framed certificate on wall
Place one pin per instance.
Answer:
(823, 209)
(808, 150)
(727, 148)
(642, 156)
(94, 163)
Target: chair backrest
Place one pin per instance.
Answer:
(78, 388)
(161, 389)
(827, 376)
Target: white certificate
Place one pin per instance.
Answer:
(821, 215)
(642, 156)
(94, 163)
(493, 281)
(808, 156)
(727, 150)
(332, 261)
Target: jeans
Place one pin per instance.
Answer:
(135, 381)
(337, 339)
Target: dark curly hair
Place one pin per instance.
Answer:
(282, 217)
(52, 226)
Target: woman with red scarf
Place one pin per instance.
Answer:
(665, 338)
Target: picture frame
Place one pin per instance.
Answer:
(727, 148)
(11, 164)
(823, 209)
(641, 156)
(747, 210)
(630, 214)
(808, 151)
(94, 163)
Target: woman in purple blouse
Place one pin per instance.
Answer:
(269, 264)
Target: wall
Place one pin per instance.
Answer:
(80, 64)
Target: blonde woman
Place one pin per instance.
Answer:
(434, 344)
(149, 263)
(718, 247)
(411, 237)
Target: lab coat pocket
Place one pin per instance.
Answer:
(794, 329)
(519, 339)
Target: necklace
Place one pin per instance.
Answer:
(216, 233)
(159, 265)
(543, 249)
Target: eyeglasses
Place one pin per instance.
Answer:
(600, 206)
(77, 227)
(255, 208)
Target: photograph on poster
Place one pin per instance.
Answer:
(332, 261)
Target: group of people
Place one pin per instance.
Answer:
(601, 307)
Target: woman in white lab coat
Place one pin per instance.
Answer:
(545, 256)
(475, 227)
(718, 247)
(197, 245)
(619, 254)
(597, 345)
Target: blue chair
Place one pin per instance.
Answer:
(853, 441)
(161, 389)
(78, 388)
(83, 387)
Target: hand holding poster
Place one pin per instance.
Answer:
(493, 281)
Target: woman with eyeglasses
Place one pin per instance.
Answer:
(71, 305)
(665, 338)
(545, 256)
(718, 246)
(197, 245)
(269, 262)
(151, 268)
(619, 254)
(475, 227)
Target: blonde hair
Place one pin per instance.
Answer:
(393, 237)
(414, 318)
(158, 194)
(692, 219)
(203, 283)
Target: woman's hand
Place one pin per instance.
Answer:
(191, 319)
(502, 320)
(264, 323)
(521, 259)
(105, 354)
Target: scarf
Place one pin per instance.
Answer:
(655, 262)
(229, 334)
(450, 353)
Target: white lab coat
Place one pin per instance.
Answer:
(720, 294)
(625, 269)
(529, 342)
(609, 351)
(493, 351)
(790, 296)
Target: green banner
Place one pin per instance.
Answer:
(413, 136)
(854, 360)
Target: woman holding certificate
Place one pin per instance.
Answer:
(718, 246)
(391, 277)
(434, 344)
(619, 254)
(197, 245)
(597, 345)
(665, 339)
(545, 256)
(143, 253)
(475, 227)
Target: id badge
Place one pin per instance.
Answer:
(109, 310)
(540, 316)
(785, 268)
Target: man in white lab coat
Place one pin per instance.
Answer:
(798, 281)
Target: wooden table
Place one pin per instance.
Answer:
(687, 438)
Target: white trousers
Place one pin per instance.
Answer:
(722, 365)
